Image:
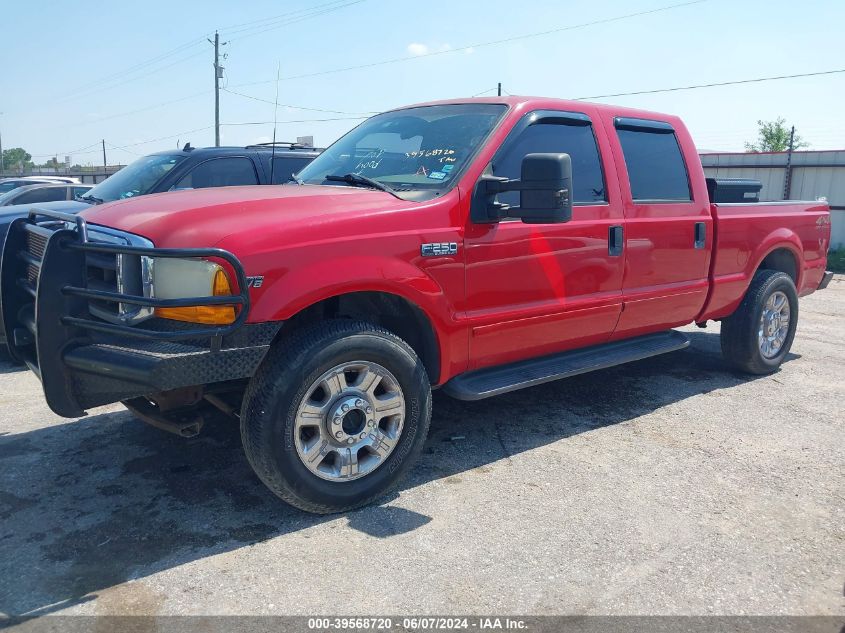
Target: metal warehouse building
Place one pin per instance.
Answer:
(799, 176)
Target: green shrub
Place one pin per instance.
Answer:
(836, 260)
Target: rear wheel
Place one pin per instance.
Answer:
(757, 337)
(335, 415)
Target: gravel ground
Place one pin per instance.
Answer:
(668, 486)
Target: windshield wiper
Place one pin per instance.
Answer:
(91, 198)
(357, 180)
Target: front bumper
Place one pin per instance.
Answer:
(825, 280)
(84, 361)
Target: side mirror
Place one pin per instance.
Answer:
(545, 192)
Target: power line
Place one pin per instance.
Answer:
(262, 25)
(506, 40)
(272, 25)
(123, 149)
(164, 138)
(131, 79)
(712, 85)
(146, 108)
(348, 118)
(138, 66)
(209, 127)
(287, 105)
(71, 153)
(233, 29)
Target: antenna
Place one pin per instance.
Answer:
(275, 118)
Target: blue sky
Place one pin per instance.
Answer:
(79, 72)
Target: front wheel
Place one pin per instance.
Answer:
(335, 415)
(757, 337)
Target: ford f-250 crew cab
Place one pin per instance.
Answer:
(477, 245)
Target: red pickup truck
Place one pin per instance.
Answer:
(475, 245)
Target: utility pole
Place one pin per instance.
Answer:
(105, 164)
(218, 75)
(787, 178)
(2, 167)
(500, 88)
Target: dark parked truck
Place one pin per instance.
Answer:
(478, 246)
(171, 170)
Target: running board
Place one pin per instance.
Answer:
(493, 381)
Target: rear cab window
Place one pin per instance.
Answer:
(656, 168)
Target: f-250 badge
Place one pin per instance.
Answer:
(437, 249)
(254, 282)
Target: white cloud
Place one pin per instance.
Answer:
(469, 51)
(415, 48)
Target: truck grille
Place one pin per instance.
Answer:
(109, 272)
(101, 274)
(35, 245)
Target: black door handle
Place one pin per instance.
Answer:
(615, 241)
(700, 234)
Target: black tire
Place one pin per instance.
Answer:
(739, 336)
(6, 357)
(275, 391)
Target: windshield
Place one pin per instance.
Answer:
(136, 179)
(413, 150)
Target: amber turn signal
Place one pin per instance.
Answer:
(207, 315)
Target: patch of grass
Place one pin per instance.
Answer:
(836, 260)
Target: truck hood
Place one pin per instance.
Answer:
(205, 217)
(8, 213)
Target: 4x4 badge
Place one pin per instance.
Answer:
(438, 249)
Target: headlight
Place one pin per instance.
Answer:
(183, 278)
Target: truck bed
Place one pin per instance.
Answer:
(745, 233)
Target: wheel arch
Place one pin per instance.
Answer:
(391, 311)
(784, 259)
(781, 251)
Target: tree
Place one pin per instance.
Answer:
(773, 136)
(52, 163)
(16, 157)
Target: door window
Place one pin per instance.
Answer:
(220, 172)
(46, 194)
(656, 168)
(285, 166)
(575, 139)
(78, 192)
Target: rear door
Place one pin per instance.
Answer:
(668, 226)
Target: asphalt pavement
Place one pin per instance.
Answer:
(668, 486)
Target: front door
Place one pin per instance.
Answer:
(535, 289)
